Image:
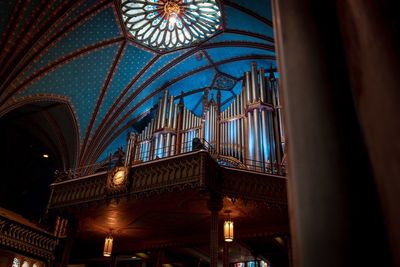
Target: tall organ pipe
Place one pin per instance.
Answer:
(159, 114)
(173, 147)
(256, 137)
(242, 129)
(250, 142)
(168, 145)
(175, 124)
(184, 119)
(248, 87)
(254, 83)
(164, 109)
(171, 109)
(264, 135)
(262, 85)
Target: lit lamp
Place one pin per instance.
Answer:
(108, 243)
(228, 229)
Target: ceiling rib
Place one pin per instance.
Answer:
(107, 139)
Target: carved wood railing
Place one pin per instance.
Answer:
(190, 170)
(196, 170)
(253, 186)
(26, 239)
(76, 191)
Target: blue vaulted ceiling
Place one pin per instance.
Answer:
(78, 50)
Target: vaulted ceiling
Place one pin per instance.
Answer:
(78, 53)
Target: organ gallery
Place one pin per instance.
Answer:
(199, 133)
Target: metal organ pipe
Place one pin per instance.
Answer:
(242, 137)
(212, 125)
(171, 109)
(159, 115)
(265, 138)
(173, 148)
(164, 109)
(160, 149)
(262, 85)
(279, 109)
(254, 83)
(248, 87)
(246, 130)
(223, 138)
(148, 150)
(250, 134)
(256, 137)
(184, 121)
(175, 123)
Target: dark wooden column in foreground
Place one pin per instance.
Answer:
(334, 206)
(214, 205)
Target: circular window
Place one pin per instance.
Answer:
(169, 24)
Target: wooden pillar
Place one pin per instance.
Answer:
(214, 205)
(334, 208)
(374, 72)
(66, 243)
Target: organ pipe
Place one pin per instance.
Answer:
(254, 83)
(256, 138)
(262, 86)
(164, 109)
(248, 87)
(249, 130)
(171, 107)
(159, 114)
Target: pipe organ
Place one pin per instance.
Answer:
(248, 133)
(169, 133)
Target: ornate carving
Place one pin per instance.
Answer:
(117, 180)
(196, 170)
(254, 186)
(26, 239)
(77, 191)
(166, 175)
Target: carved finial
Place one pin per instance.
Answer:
(271, 73)
(181, 99)
(120, 156)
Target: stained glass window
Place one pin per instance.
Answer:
(169, 24)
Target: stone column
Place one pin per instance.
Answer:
(214, 205)
(334, 208)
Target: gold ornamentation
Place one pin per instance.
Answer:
(171, 8)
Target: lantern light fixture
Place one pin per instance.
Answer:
(228, 229)
(108, 243)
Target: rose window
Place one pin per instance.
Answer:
(169, 24)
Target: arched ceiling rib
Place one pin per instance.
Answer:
(79, 50)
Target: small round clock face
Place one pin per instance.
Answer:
(119, 177)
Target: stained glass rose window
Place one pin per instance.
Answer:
(169, 24)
